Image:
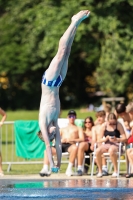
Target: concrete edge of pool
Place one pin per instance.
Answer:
(54, 177)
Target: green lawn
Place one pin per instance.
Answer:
(8, 152)
(33, 115)
(22, 115)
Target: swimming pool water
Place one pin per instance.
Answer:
(95, 189)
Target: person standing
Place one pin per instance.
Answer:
(51, 81)
(3, 113)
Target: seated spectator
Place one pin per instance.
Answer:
(100, 115)
(127, 127)
(120, 111)
(126, 114)
(111, 134)
(129, 110)
(107, 109)
(71, 135)
(130, 158)
(84, 147)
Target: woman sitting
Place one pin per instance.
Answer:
(84, 147)
(88, 124)
(111, 134)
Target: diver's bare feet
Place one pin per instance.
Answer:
(79, 17)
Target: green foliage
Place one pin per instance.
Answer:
(114, 73)
(30, 31)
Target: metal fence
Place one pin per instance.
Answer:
(7, 148)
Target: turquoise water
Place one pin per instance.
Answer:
(67, 189)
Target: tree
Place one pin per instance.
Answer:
(115, 70)
(100, 56)
(29, 33)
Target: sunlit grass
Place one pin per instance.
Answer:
(33, 115)
(22, 115)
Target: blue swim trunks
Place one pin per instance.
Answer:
(54, 83)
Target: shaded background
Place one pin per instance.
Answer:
(101, 60)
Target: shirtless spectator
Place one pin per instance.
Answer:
(101, 115)
(70, 137)
(126, 113)
(122, 115)
(107, 109)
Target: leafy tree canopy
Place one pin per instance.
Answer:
(101, 56)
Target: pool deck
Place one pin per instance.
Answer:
(59, 176)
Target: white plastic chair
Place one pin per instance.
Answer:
(108, 159)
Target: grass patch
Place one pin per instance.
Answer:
(33, 115)
(22, 115)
